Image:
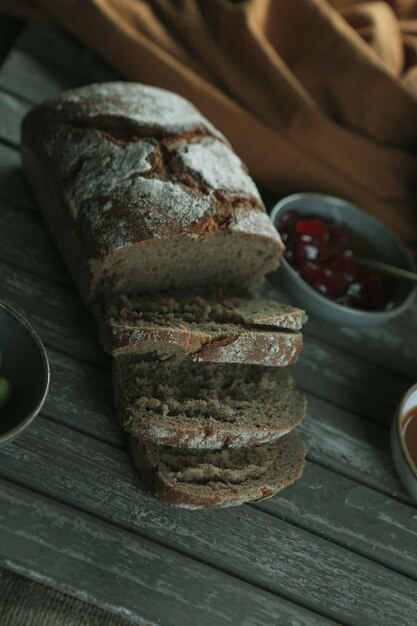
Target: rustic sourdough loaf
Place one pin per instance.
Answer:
(203, 327)
(202, 479)
(205, 405)
(142, 193)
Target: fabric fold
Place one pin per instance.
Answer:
(313, 95)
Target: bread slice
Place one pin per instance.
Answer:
(213, 327)
(141, 192)
(206, 405)
(206, 479)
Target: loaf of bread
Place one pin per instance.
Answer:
(196, 479)
(142, 193)
(205, 405)
(207, 327)
(154, 214)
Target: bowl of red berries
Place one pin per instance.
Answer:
(327, 243)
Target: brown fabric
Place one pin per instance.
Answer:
(24, 602)
(313, 95)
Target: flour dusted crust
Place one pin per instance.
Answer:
(217, 166)
(124, 167)
(142, 105)
(142, 194)
(208, 327)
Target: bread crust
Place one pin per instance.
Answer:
(111, 175)
(258, 347)
(211, 328)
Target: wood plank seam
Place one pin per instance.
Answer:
(30, 272)
(327, 543)
(103, 369)
(405, 382)
(55, 512)
(277, 515)
(322, 341)
(331, 469)
(357, 550)
(18, 96)
(80, 359)
(9, 144)
(223, 569)
(403, 498)
(168, 546)
(86, 433)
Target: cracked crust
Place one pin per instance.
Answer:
(135, 192)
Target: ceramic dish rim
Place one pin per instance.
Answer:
(358, 313)
(23, 424)
(398, 417)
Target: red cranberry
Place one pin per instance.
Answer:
(314, 227)
(319, 250)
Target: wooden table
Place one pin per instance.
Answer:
(340, 546)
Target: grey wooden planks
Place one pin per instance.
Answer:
(100, 480)
(319, 503)
(347, 382)
(351, 515)
(350, 446)
(56, 312)
(363, 519)
(138, 579)
(392, 345)
(71, 56)
(335, 438)
(80, 397)
(388, 339)
(12, 112)
(364, 388)
(27, 244)
(63, 325)
(32, 73)
(24, 76)
(13, 185)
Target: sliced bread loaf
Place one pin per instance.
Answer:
(205, 405)
(212, 327)
(140, 191)
(205, 479)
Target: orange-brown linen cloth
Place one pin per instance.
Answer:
(313, 95)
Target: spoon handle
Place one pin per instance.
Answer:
(386, 268)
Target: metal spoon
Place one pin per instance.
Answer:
(385, 268)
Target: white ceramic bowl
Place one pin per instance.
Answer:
(402, 459)
(386, 244)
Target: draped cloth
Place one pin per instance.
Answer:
(313, 95)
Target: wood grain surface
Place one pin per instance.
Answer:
(339, 546)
